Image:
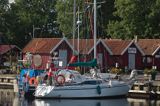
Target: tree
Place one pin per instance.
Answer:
(136, 17)
(107, 10)
(22, 15)
(3, 8)
(40, 13)
(64, 9)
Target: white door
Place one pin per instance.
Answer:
(63, 58)
(131, 61)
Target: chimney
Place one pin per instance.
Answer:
(135, 39)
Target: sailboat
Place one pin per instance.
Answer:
(80, 86)
(71, 84)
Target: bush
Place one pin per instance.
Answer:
(150, 71)
(116, 70)
(147, 71)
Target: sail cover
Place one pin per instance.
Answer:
(91, 63)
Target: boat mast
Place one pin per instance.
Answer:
(95, 31)
(74, 24)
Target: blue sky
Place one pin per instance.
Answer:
(10, 1)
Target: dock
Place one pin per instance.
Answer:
(7, 82)
(146, 89)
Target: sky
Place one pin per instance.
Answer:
(11, 1)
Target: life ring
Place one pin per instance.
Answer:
(33, 81)
(60, 79)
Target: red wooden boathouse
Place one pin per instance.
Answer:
(46, 48)
(126, 54)
(151, 49)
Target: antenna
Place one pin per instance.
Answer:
(34, 28)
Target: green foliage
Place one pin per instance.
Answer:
(65, 17)
(150, 71)
(19, 18)
(3, 8)
(117, 30)
(154, 71)
(115, 70)
(136, 17)
(64, 9)
(3, 5)
(147, 71)
(120, 18)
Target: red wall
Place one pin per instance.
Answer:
(122, 60)
(65, 46)
(45, 56)
(105, 53)
(157, 60)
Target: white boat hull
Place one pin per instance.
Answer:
(82, 91)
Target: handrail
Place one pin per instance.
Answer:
(39, 91)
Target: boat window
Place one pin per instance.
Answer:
(93, 82)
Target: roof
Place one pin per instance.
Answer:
(84, 45)
(6, 48)
(41, 45)
(149, 46)
(117, 46)
(106, 46)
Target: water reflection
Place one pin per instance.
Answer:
(23, 102)
(7, 98)
(143, 102)
(82, 102)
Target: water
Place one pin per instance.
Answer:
(7, 98)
